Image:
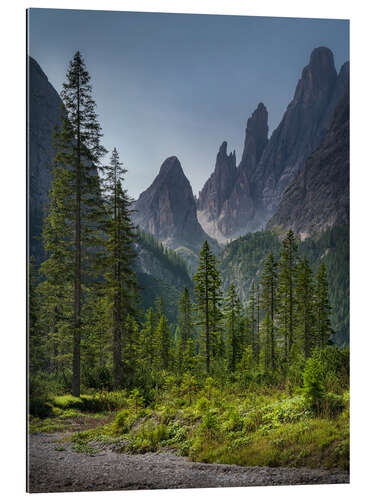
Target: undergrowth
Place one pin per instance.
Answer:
(210, 423)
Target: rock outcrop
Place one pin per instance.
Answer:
(167, 209)
(268, 167)
(227, 195)
(216, 191)
(44, 112)
(318, 197)
(239, 210)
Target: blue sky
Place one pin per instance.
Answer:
(179, 84)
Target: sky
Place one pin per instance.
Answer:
(180, 84)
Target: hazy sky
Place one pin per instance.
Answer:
(173, 84)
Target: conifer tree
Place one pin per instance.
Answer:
(70, 227)
(148, 339)
(130, 349)
(304, 297)
(254, 321)
(163, 344)
(269, 289)
(322, 308)
(232, 311)
(36, 339)
(287, 292)
(159, 308)
(208, 296)
(185, 330)
(118, 237)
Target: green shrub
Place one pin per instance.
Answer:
(313, 383)
(333, 404)
(232, 421)
(39, 401)
(209, 426)
(39, 407)
(123, 422)
(202, 404)
(148, 438)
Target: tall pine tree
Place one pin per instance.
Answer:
(117, 258)
(208, 295)
(304, 297)
(232, 313)
(287, 292)
(70, 229)
(322, 308)
(269, 289)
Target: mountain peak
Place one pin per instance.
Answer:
(167, 209)
(256, 136)
(322, 56)
(260, 108)
(223, 148)
(171, 165)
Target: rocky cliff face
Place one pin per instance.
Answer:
(318, 197)
(167, 209)
(44, 111)
(226, 197)
(216, 191)
(239, 210)
(301, 129)
(268, 167)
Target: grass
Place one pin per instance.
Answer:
(214, 424)
(69, 420)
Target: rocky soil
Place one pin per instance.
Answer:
(54, 466)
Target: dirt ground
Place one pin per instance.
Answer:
(53, 469)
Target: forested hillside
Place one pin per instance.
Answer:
(241, 262)
(161, 272)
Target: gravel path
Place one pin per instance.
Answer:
(52, 470)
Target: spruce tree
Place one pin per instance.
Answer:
(232, 312)
(163, 344)
(159, 308)
(36, 335)
(269, 289)
(117, 258)
(254, 321)
(185, 329)
(70, 228)
(304, 297)
(322, 308)
(148, 340)
(287, 292)
(208, 296)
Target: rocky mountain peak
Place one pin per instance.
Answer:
(223, 160)
(256, 136)
(318, 197)
(172, 166)
(318, 77)
(167, 209)
(321, 59)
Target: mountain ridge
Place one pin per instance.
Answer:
(257, 191)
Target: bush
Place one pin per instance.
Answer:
(39, 407)
(202, 404)
(39, 404)
(209, 426)
(313, 380)
(333, 404)
(123, 422)
(97, 378)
